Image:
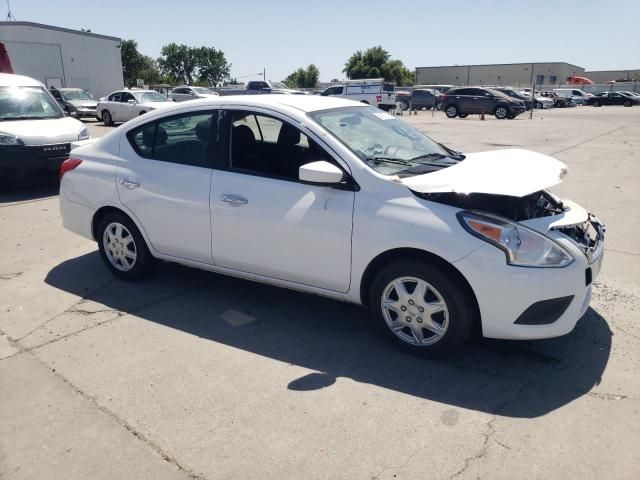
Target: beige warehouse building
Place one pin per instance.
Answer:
(551, 73)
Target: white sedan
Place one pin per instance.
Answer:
(186, 92)
(336, 198)
(123, 105)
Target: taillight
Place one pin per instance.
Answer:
(68, 165)
(444, 97)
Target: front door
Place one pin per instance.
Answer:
(164, 179)
(266, 222)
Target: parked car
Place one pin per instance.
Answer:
(372, 91)
(418, 98)
(510, 92)
(327, 196)
(580, 97)
(186, 92)
(460, 102)
(257, 87)
(559, 101)
(441, 88)
(123, 105)
(613, 98)
(35, 134)
(75, 101)
(633, 94)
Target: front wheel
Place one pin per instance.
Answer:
(106, 118)
(420, 307)
(501, 113)
(122, 247)
(451, 111)
(627, 103)
(596, 103)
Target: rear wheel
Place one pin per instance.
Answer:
(501, 113)
(596, 103)
(122, 247)
(627, 103)
(106, 118)
(452, 111)
(420, 307)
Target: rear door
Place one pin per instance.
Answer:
(164, 179)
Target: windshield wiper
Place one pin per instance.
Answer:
(396, 161)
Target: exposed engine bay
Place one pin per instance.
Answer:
(587, 235)
(535, 205)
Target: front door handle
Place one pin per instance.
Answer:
(130, 184)
(234, 200)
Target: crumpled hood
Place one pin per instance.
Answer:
(43, 132)
(511, 172)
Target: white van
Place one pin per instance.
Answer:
(579, 96)
(372, 91)
(35, 134)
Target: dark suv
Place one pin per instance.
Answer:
(460, 102)
(419, 98)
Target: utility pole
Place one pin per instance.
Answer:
(264, 74)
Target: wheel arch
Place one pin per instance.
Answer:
(388, 256)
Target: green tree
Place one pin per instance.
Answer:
(179, 62)
(303, 77)
(376, 62)
(213, 68)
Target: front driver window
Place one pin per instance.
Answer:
(268, 146)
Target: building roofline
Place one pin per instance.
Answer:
(614, 71)
(60, 29)
(503, 64)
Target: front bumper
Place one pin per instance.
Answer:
(17, 162)
(504, 292)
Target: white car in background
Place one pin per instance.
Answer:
(538, 100)
(123, 105)
(336, 198)
(35, 134)
(186, 92)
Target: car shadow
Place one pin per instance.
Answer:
(30, 190)
(334, 339)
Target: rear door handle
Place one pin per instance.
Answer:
(130, 184)
(235, 200)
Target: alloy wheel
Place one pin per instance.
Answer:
(452, 111)
(415, 311)
(120, 247)
(501, 112)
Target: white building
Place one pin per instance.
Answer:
(62, 57)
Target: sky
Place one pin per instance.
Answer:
(282, 35)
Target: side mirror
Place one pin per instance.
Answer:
(131, 102)
(320, 173)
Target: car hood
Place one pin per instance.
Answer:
(83, 103)
(43, 132)
(511, 172)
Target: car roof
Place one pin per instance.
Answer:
(303, 103)
(12, 80)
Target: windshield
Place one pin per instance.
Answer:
(27, 103)
(386, 144)
(147, 97)
(201, 90)
(76, 95)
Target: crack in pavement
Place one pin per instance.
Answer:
(490, 431)
(10, 276)
(609, 396)
(588, 140)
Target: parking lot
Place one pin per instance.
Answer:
(192, 375)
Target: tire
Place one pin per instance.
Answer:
(596, 103)
(539, 105)
(511, 117)
(404, 319)
(627, 103)
(106, 118)
(463, 115)
(501, 112)
(122, 247)
(451, 111)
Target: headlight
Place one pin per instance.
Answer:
(7, 139)
(523, 246)
(84, 134)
